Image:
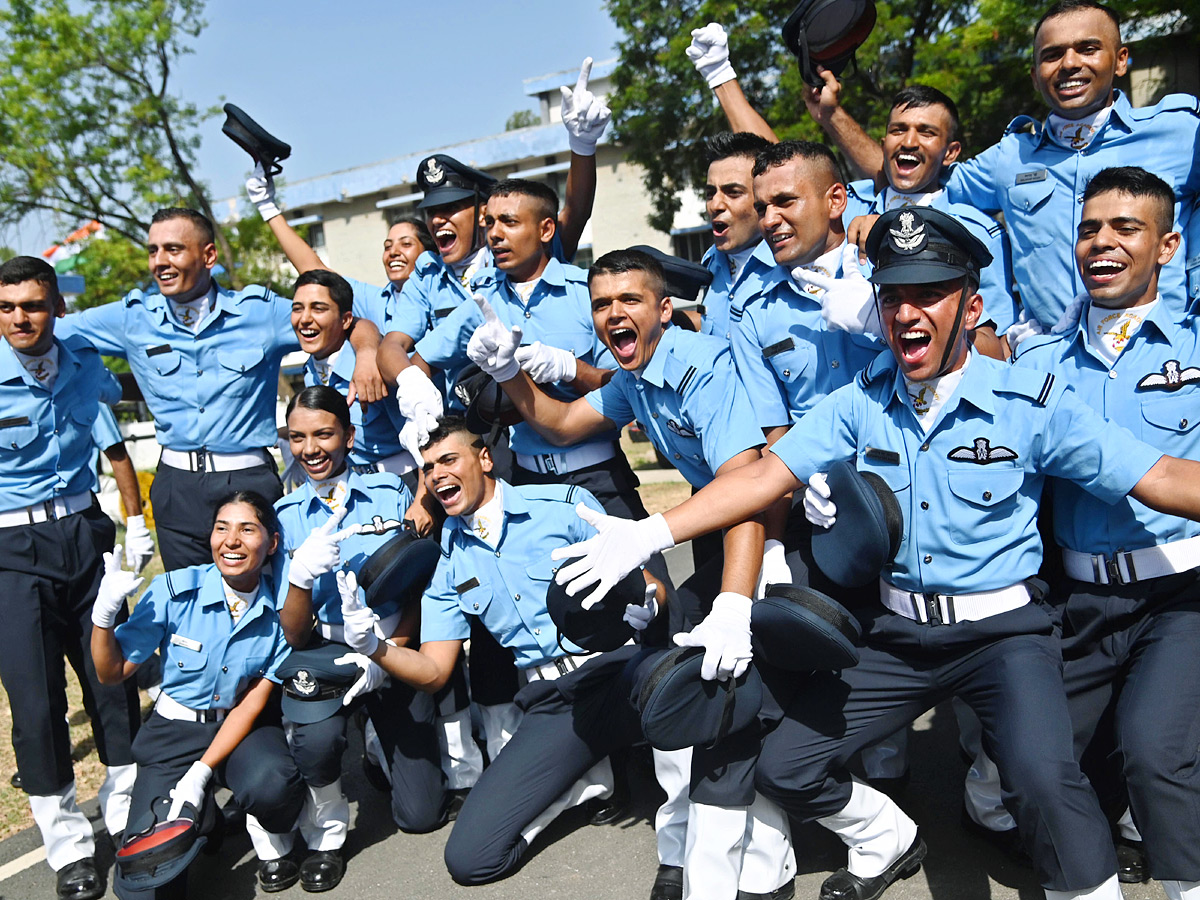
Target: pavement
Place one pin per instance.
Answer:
(617, 862)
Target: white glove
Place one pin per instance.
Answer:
(709, 53)
(546, 364)
(371, 679)
(420, 402)
(725, 636)
(584, 114)
(260, 187)
(774, 569)
(358, 620)
(619, 547)
(139, 546)
(1070, 317)
(848, 303)
(320, 553)
(189, 789)
(639, 615)
(818, 508)
(115, 586)
(1025, 327)
(493, 346)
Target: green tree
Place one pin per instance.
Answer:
(522, 118)
(88, 122)
(979, 53)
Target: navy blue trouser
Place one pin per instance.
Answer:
(49, 573)
(1132, 673)
(260, 773)
(1008, 669)
(184, 504)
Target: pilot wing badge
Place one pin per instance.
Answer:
(1171, 378)
(982, 453)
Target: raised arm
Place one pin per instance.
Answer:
(709, 53)
(585, 116)
(824, 105)
(260, 188)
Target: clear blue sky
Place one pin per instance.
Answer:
(363, 80)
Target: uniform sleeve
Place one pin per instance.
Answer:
(995, 282)
(446, 346)
(105, 431)
(441, 617)
(146, 629)
(281, 323)
(368, 301)
(102, 326)
(975, 182)
(1080, 445)
(412, 313)
(578, 528)
(610, 401)
(770, 406)
(827, 433)
(718, 407)
(282, 650)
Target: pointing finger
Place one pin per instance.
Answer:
(332, 522)
(585, 72)
(489, 314)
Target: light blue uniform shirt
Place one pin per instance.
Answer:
(995, 282)
(431, 293)
(969, 489)
(212, 390)
(380, 500)
(559, 313)
(689, 401)
(208, 661)
(506, 586)
(377, 431)
(1038, 185)
(375, 304)
(726, 297)
(786, 356)
(46, 444)
(1139, 394)
(105, 433)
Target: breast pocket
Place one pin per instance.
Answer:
(1031, 226)
(160, 365)
(791, 360)
(238, 373)
(17, 433)
(474, 599)
(895, 475)
(188, 660)
(1170, 421)
(988, 496)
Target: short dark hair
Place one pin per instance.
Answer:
(730, 144)
(1063, 7)
(1136, 182)
(20, 269)
(325, 399)
(203, 224)
(262, 507)
(618, 262)
(918, 96)
(423, 234)
(449, 425)
(338, 287)
(546, 201)
(785, 151)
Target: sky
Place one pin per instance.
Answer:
(362, 80)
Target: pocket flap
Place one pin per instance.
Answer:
(986, 485)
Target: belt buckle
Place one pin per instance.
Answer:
(48, 510)
(549, 463)
(1112, 569)
(560, 663)
(933, 610)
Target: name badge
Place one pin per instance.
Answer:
(884, 456)
(776, 349)
(1031, 177)
(14, 421)
(187, 643)
(467, 585)
(159, 350)
(442, 313)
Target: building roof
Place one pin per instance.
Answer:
(543, 83)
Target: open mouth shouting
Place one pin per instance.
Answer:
(907, 162)
(1102, 271)
(623, 342)
(446, 239)
(912, 346)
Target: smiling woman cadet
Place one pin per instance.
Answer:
(221, 643)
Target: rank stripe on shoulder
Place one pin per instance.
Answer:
(571, 494)
(687, 377)
(1044, 394)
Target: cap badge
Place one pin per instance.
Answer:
(434, 173)
(911, 236)
(304, 684)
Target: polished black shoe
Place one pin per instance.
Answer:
(322, 871)
(1007, 842)
(1132, 867)
(605, 810)
(668, 884)
(16, 782)
(278, 874)
(80, 881)
(783, 892)
(841, 885)
(454, 802)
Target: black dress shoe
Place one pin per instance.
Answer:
(841, 885)
(454, 802)
(668, 884)
(1131, 862)
(605, 811)
(278, 874)
(80, 881)
(783, 892)
(16, 782)
(1007, 842)
(322, 871)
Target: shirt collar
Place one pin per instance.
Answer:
(1120, 117)
(978, 387)
(552, 276)
(655, 371)
(12, 370)
(1159, 317)
(306, 498)
(513, 505)
(212, 593)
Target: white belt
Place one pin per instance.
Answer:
(383, 628)
(947, 609)
(556, 667)
(47, 511)
(1127, 566)
(207, 461)
(173, 709)
(567, 461)
(397, 464)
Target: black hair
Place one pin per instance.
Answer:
(730, 144)
(261, 505)
(1063, 7)
(918, 96)
(546, 199)
(20, 269)
(418, 224)
(338, 287)
(449, 425)
(785, 151)
(324, 398)
(618, 262)
(1136, 182)
(203, 224)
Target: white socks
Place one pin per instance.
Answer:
(1109, 890)
(66, 832)
(325, 819)
(875, 829)
(462, 760)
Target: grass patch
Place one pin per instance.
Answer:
(664, 495)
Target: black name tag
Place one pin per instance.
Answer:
(442, 313)
(776, 349)
(467, 585)
(1031, 177)
(884, 456)
(14, 421)
(158, 351)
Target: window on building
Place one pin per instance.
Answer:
(583, 258)
(692, 244)
(316, 235)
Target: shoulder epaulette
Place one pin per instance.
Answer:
(1169, 103)
(563, 493)
(381, 479)
(974, 216)
(1024, 124)
(485, 278)
(872, 370)
(185, 581)
(1031, 383)
(574, 273)
(863, 189)
(249, 292)
(1038, 341)
(426, 263)
(79, 345)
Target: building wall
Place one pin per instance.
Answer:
(354, 234)
(619, 216)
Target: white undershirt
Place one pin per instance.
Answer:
(828, 263)
(485, 523)
(43, 367)
(191, 315)
(332, 490)
(466, 267)
(737, 261)
(1110, 330)
(524, 290)
(894, 199)
(325, 366)
(237, 602)
(928, 397)
(1076, 134)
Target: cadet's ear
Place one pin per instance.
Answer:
(485, 459)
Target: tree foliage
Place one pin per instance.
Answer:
(978, 53)
(522, 118)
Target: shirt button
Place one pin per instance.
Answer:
(225, 669)
(1183, 423)
(537, 631)
(516, 596)
(654, 415)
(928, 558)
(528, 314)
(199, 371)
(677, 456)
(925, 446)
(787, 373)
(497, 554)
(834, 364)
(181, 664)
(216, 696)
(1112, 374)
(202, 409)
(924, 504)
(477, 606)
(987, 495)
